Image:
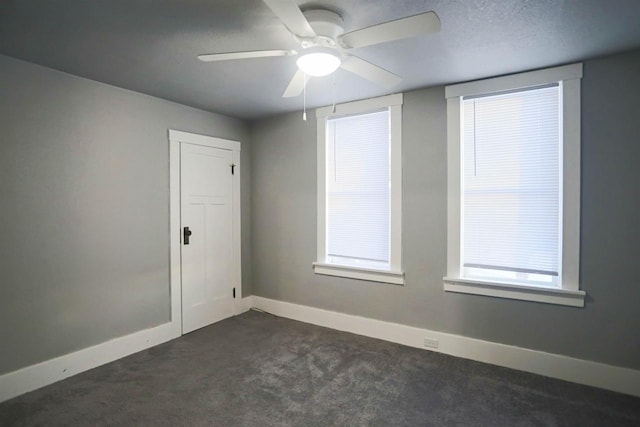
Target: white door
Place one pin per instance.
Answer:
(206, 192)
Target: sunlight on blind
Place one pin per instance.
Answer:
(358, 190)
(511, 185)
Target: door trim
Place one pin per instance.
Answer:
(176, 138)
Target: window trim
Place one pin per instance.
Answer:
(570, 294)
(395, 275)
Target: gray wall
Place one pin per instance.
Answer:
(284, 222)
(84, 177)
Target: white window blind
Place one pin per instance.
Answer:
(358, 190)
(511, 185)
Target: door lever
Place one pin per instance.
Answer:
(185, 235)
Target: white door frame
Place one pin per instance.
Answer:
(176, 138)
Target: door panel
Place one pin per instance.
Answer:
(206, 208)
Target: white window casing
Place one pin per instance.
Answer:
(386, 255)
(564, 289)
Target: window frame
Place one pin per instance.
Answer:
(568, 76)
(395, 274)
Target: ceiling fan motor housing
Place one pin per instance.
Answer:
(327, 26)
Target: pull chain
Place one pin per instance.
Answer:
(304, 97)
(334, 92)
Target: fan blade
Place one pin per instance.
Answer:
(296, 85)
(291, 16)
(403, 28)
(244, 55)
(370, 72)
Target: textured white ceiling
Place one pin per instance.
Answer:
(150, 46)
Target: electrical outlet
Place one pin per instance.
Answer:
(431, 342)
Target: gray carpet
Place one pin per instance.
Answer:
(260, 370)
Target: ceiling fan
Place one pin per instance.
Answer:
(325, 45)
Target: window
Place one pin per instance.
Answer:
(359, 190)
(514, 186)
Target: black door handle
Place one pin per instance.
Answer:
(185, 235)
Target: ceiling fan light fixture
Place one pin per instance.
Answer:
(319, 63)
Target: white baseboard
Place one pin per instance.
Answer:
(246, 303)
(42, 374)
(622, 380)
(580, 371)
(32, 377)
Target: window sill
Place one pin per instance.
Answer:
(393, 277)
(520, 292)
